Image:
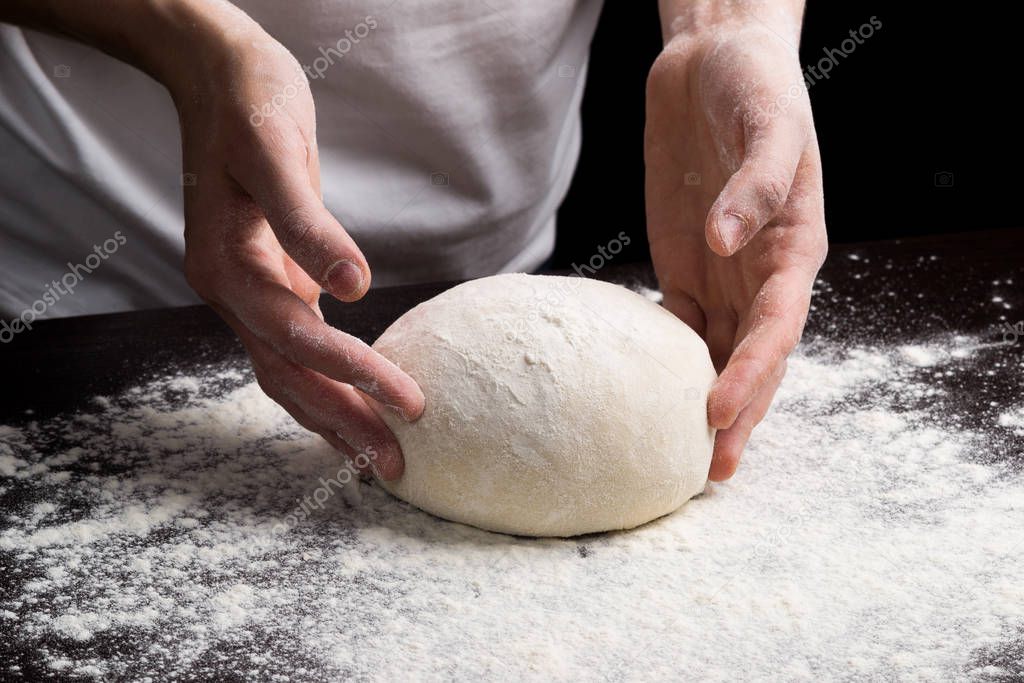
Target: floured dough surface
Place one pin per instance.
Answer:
(555, 406)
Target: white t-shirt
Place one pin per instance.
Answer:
(448, 132)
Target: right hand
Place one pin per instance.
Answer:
(260, 244)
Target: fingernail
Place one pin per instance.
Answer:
(405, 415)
(383, 459)
(344, 278)
(730, 231)
(385, 466)
(718, 412)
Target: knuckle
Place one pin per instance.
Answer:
(773, 190)
(292, 341)
(296, 228)
(294, 336)
(362, 355)
(663, 71)
(754, 366)
(790, 340)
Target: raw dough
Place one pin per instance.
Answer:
(555, 406)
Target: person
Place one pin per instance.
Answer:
(448, 134)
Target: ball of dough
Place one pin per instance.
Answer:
(555, 406)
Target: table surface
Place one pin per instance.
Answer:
(64, 362)
(57, 367)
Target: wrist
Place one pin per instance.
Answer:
(688, 21)
(195, 39)
(171, 40)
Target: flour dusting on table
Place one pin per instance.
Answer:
(871, 532)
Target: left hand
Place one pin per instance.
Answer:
(735, 213)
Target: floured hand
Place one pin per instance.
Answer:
(734, 199)
(260, 245)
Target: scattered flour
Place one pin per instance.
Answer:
(920, 356)
(869, 534)
(1013, 420)
(650, 294)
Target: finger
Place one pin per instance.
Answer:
(275, 315)
(278, 179)
(273, 391)
(365, 432)
(328, 408)
(303, 418)
(721, 337)
(344, 411)
(296, 275)
(370, 447)
(758, 190)
(686, 308)
(729, 443)
(768, 333)
(306, 421)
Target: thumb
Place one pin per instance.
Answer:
(304, 227)
(758, 190)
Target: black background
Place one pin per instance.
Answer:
(933, 91)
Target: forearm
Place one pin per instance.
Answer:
(167, 39)
(691, 18)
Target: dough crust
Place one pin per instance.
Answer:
(555, 406)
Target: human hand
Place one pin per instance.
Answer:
(260, 244)
(735, 212)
